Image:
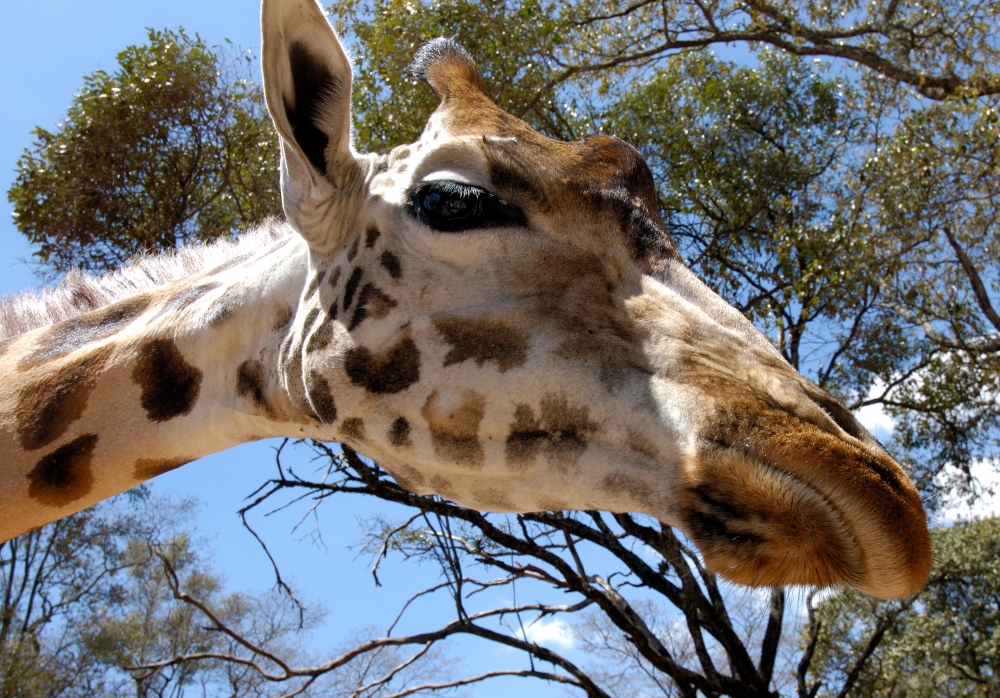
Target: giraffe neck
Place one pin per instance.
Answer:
(95, 404)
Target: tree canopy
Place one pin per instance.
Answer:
(174, 147)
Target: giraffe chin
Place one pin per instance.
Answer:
(760, 526)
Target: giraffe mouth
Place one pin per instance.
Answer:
(805, 506)
(759, 525)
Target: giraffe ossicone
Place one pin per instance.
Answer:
(493, 316)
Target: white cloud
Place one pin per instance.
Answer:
(549, 631)
(986, 504)
(873, 417)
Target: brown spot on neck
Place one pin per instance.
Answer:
(353, 252)
(314, 284)
(455, 427)
(169, 383)
(320, 339)
(46, 409)
(250, 383)
(482, 339)
(562, 432)
(351, 287)
(372, 302)
(283, 318)
(391, 264)
(493, 499)
(334, 277)
(64, 475)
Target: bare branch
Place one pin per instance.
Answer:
(978, 288)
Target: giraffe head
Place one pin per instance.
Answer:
(501, 319)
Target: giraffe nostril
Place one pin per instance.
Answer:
(841, 416)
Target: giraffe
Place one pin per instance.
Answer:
(493, 316)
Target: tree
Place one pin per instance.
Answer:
(943, 642)
(175, 147)
(85, 598)
(49, 576)
(848, 206)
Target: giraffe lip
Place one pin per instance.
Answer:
(864, 516)
(757, 523)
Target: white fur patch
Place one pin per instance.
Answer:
(80, 293)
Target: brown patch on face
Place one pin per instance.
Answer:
(562, 432)
(68, 336)
(641, 445)
(320, 339)
(169, 384)
(148, 468)
(351, 287)
(321, 398)
(371, 237)
(621, 186)
(399, 433)
(601, 180)
(483, 339)
(407, 477)
(46, 409)
(372, 302)
(392, 371)
(64, 475)
(353, 252)
(391, 264)
(353, 428)
(597, 330)
(493, 499)
(283, 318)
(636, 489)
(455, 428)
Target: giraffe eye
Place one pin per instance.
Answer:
(453, 207)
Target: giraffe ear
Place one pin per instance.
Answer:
(307, 85)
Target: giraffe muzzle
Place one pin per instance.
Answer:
(780, 495)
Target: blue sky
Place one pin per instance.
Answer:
(46, 47)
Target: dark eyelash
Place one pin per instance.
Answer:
(450, 206)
